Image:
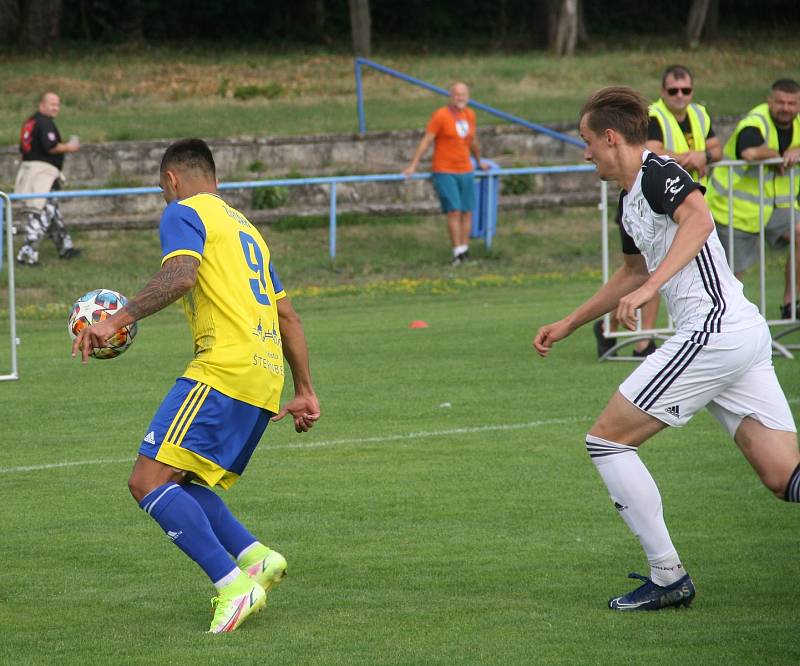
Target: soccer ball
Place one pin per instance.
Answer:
(96, 306)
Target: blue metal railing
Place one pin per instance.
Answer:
(6, 221)
(362, 120)
(332, 181)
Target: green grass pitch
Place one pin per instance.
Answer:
(443, 511)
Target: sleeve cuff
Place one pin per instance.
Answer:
(190, 253)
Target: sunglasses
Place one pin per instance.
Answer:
(674, 91)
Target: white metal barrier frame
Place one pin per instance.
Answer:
(624, 338)
(6, 220)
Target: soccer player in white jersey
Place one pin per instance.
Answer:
(720, 356)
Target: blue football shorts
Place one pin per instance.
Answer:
(456, 191)
(203, 431)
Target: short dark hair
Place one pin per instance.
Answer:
(676, 71)
(619, 108)
(786, 85)
(189, 154)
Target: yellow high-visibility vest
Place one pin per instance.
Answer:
(745, 178)
(673, 139)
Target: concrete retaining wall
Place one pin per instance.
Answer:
(129, 163)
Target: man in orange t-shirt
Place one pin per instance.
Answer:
(452, 131)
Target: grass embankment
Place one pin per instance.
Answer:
(126, 93)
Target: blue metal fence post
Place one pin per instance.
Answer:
(332, 223)
(362, 120)
(491, 208)
(479, 206)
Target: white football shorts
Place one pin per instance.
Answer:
(730, 373)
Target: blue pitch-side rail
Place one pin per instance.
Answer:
(362, 120)
(332, 181)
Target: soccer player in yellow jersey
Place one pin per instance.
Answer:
(208, 426)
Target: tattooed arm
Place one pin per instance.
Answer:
(176, 277)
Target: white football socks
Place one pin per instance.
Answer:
(636, 498)
(228, 578)
(249, 548)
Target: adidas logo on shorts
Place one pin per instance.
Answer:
(675, 411)
(150, 438)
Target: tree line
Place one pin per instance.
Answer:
(562, 26)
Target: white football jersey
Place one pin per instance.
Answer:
(704, 295)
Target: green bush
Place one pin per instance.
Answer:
(116, 180)
(250, 91)
(269, 197)
(517, 184)
(122, 134)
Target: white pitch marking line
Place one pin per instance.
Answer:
(330, 442)
(75, 463)
(435, 433)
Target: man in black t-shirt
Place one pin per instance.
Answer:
(42, 160)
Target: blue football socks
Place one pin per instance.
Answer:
(233, 536)
(187, 526)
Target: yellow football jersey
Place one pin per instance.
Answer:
(232, 309)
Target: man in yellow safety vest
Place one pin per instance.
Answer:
(681, 128)
(769, 130)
